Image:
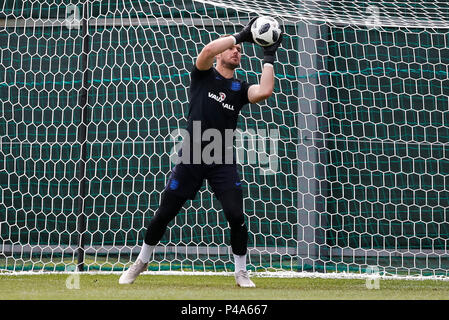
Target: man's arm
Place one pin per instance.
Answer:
(206, 57)
(264, 89)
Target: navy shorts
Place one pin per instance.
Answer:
(187, 179)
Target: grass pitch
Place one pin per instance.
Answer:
(176, 287)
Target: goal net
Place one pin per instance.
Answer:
(344, 168)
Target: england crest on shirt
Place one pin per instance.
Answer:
(236, 86)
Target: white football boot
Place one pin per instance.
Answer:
(243, 280)
(130, 275)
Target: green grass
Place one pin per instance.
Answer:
(175, 287)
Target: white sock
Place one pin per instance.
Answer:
(145, 253)
(240, 262)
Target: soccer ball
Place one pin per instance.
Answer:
(265, 31)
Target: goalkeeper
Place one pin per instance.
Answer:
(215, 100)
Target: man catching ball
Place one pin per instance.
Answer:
(216, 98)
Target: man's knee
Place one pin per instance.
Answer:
(168, 209)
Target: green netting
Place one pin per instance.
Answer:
(388, 139)
(137, 79)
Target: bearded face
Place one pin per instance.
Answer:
(231, 57)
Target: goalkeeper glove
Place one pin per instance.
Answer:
(245, 35)
(269, 52)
